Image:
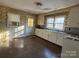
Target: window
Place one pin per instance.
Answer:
(59, 22)
(30, 22)
(56, 22)
(50, 22)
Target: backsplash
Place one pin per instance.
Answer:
(71, 30)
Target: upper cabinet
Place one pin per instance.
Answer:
(40, 20)
(73, 18)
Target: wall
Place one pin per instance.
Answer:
(23, 21)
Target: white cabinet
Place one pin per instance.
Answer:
(73, 18)
(52, 37)
(38, 32)
(60, 39)
(42, 33)
(56, 37)
(45, 34)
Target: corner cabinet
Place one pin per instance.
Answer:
(41, 33)
(54, 37)
(38, 32)
(73, 18)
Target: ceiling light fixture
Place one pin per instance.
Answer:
(38, 5)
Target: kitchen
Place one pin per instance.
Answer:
(41, 31)
(71, 31)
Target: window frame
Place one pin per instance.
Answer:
(54, 15)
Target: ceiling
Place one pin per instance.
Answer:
(47, 5)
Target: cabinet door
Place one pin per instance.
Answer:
(41, 33)
(45, 34)
(60, 39)
(37, 32)
(52, 37)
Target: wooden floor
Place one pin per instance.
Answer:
(31, 47)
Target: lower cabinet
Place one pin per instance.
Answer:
(45, 34)
(54, 37)
(42, 33)
(60, 39)
(37, 32)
